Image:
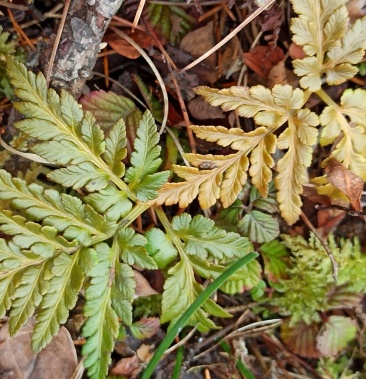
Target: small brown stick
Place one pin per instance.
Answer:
(229, 36)
(57, 40)
(118, 21)
(19, 30)
(324, 244)
(14, 6)
(138, 14)
(188, 123)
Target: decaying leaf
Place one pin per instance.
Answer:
(346, 181)
(57, 360)
(301, 339)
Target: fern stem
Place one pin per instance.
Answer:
(177, 327)
(136, 211)
(169, 230)
(326, 98)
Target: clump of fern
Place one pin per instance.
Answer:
(333, 49)
(60, 242)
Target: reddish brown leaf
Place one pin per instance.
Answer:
(124, 48)
(301, 338)
(262, 58)
(296, 51)
(342, 297)
(126, 366)
(145, 328)
(346, 181)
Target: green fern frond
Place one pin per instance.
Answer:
(141, 176)
(64, 212)
(43, 241)
(65, 284)
(132, 249)
(206, 241)
(61, 125)
(101, 327)
(28, 296)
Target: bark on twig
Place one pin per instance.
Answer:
(85, 25)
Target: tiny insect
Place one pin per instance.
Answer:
(207, 165)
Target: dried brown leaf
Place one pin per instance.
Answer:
(346, 181)
(57, 360)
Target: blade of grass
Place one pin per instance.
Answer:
(178, 363)
(182, 321)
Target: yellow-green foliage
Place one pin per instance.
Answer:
(310, 284)
(333, 49)
(59, 243)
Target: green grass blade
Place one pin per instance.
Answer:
(177, 327)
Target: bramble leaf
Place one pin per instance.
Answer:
(163, 17)
(274, 255)
(107, 107)
(335, 335)
(259, 227)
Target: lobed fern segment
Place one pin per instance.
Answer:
(332, 49)
(60, 123)
(63, 212)
(227, 174)
(201, 248)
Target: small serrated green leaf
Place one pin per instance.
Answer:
(202, 238)
(160, 248)
(132, 249)
(259, 227)
(274, 255)
(245, 278)
(111, 201)
(145, 161)
(335, 335)
(115, 148)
